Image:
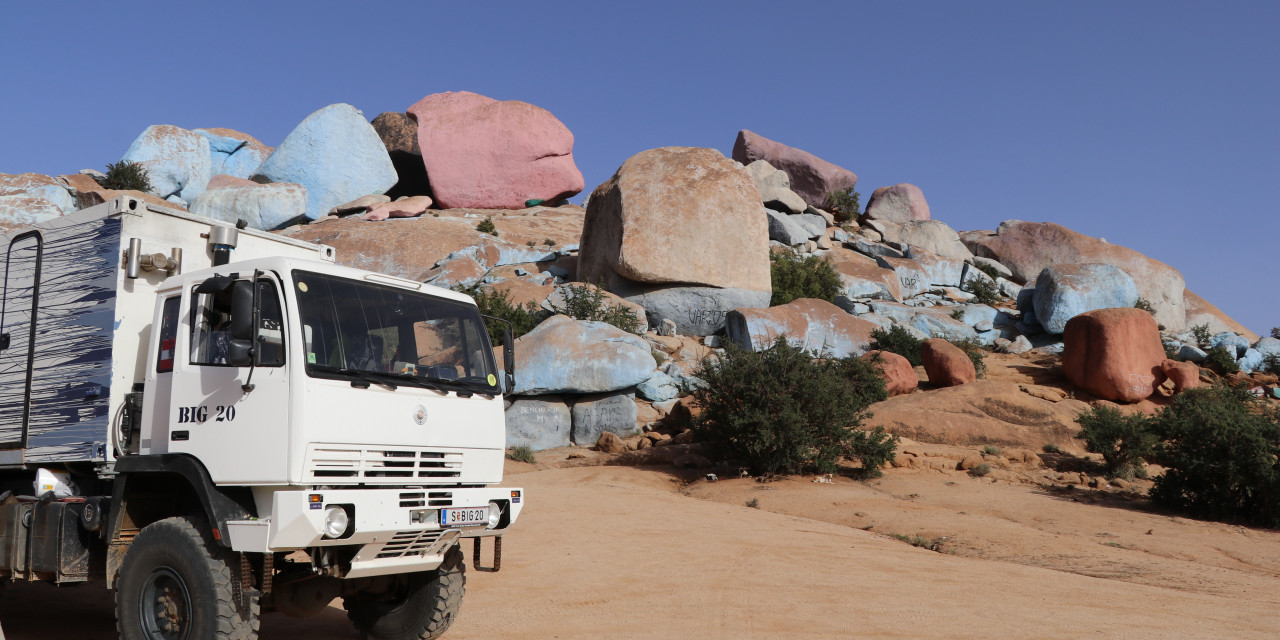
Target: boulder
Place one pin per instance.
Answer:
(359, 205)
(335, 154)
(177, 160)
(542, 422)
(234, 153)
(676, 215)
(23, 210)
(899, 203)
(775, 187)
(521, 292)
(946, 364)
(482, 153)
(263, 206)
(1027, 248)
(782, 228)
(597, 414)
(561, 296)
(1019, 344)
(696, 311)
(899, 375)
(939, 271)
(812, 178)
(935, 237)
(815, 224)
(872, 248)
(399, 134)
(1200, 311)
(610, 442)
(1184, 375)
(817, 326)
(911, 275)
(53, 190)
(223, 181)
(1268, 346)
(863, 277)
(406, 207)
(1064, 291)
(1114, 354)
(658, 388)
(563, 355)
(1001, 270)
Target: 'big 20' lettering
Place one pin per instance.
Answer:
(200, 414)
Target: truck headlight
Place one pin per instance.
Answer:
(495, 514)
(336, 522)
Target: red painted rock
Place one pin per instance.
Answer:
(1027, 248)
(407, 207)
(946, 364)
(817, 326)
(1185, 375)
(677, 215)
(482, 153)
(899, 376)
(811, 177)
(900, 203)
(1114, 353)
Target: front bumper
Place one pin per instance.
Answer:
(395, 530)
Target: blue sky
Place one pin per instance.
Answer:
(1153, 124)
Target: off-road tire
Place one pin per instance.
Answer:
(429, 603)
(176, 556)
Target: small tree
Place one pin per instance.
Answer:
(1145, 305)
(844, 204)
(1125, 440)
(1220, 360)
(794, 276)
(523, 318)
(588, 302)
(126, 176)
(984, 291)
(897, 340)
(1200, 333)
(781, 411)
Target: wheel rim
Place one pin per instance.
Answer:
(165, 606)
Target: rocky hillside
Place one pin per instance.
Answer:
(678, 254)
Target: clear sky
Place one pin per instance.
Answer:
(1153, 124)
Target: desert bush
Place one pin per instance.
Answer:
(1171, 350)
(984, 291)
(987, 269)
(1219, 447)
(754, 503)
(844, 205)
(588, 302)
(486, 226)
(1200, 333)
(897, 340)
(873, 449)
(1051, 448)
(794, 276)
(932, 544)
(1125, 440)
(780, 411)
(957, 313)
(1221, 360)
(991, 450)
(1145, 305)
(521, 453)
(1270, 364)
(980, 470)
(523, 318)
(126, 175)
(976, 355)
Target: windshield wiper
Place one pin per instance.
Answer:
(472, 387)
(359, 379)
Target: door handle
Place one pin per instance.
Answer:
(4, 341)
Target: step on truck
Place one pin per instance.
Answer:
(214, 422)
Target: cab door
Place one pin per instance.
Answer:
(240, 432)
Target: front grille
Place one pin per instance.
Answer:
(380, 465)
(409, 543)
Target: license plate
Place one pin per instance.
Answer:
(464, 516)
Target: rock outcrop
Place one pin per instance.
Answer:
(775, 187)
(485, 154)
(817, 326)
(1064, 291)
(177, 161)
(899, 203)
(563, 355)
(1200, 311)
(1114, 354)
(234, 153)
(935, 237)
(262, 206)
(812, 178)
(399, 134)
(538, 422)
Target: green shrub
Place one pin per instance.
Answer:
(549, 242)
(976, 355)
(1271, 364)
(1171, 350)
(521, 453)
(486, 226)
(1219, 449)
(844, 205)
(932, 544)
(873, 449)
(987, 269)
(754, 503)
(980, 470)
(1051, 448)
(991, 450)
(588, 302)
(984, 291)
(126, 176)
(957, 314)
(1201, 335)
(523, 318)
(1143, 304)
(897, 340)
(795, 276)
(1275, 332)
(1221, 360)
(1125, 440)
(780, 411)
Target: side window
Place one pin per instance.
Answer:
(168, 335)
(211, 327)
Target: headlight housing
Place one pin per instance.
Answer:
(336, 522)
(495, 514)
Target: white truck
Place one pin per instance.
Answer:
(215, 421)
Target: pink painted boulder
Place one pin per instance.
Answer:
(899, 375)
(811, 177)
(946, 364)
(407, 207)
(485, 154)
(1114, 354)
(1185, 375)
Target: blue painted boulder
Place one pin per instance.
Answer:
(263, 206)
(1064, 291)
(177, 160)
(336, 154)
(234, 153)
(38, 186)
(563, 355)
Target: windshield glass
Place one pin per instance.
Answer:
(356, 328)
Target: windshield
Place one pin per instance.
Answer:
(369, 331)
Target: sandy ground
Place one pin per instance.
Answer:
(620, 552)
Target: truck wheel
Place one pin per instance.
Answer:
(175, 584)
(419, 606)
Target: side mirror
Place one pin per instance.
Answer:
(242, 312)
(239, 353)
(509, 359)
